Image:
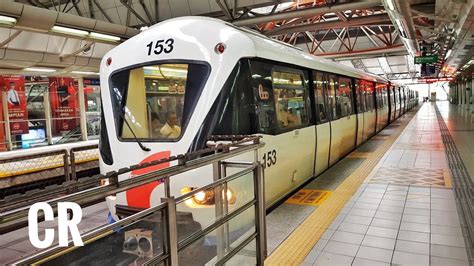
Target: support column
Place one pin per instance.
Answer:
(8, 135)
(82, 109)
(47, 116)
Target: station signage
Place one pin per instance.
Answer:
(63, 95)
(13, 88)
(429, 59)
(433, 80)
(91, 82)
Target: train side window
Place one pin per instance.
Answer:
(290, 97)
(369, 96)
(344, 97)
(332, 97)
(360, 94)
(378, 95)
(261, 83)
(319, 96)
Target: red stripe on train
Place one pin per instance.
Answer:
(140, 197)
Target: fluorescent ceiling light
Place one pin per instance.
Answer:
(390, 4)
(7, 20)
(35, 69)
(85, 72)
(70, 31)
(105, 37)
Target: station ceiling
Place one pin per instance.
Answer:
(379, 36)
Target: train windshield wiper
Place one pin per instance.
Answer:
(143, 147)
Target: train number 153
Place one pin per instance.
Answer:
(269, 158)
(160, 46)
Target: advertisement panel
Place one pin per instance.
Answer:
(14, 88)
(63, 98)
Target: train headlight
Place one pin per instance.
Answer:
(206, 197)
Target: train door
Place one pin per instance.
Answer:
(344, 121)
(360, 103)
(283, 113)
(323, 128)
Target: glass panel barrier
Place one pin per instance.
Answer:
(132, 244)
(209, 249)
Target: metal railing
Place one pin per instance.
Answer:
(46, 160)
(38, 176)
(237, 230)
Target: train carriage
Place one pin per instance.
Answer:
(166, 90)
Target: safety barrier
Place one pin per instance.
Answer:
(22, 173)
(156, 235)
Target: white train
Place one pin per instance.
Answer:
(166, 90)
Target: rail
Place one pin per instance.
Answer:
(159, 225)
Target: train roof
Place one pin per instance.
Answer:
(263, 46)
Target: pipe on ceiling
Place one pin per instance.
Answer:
(307, 12)
(37, 19)
(403, 21)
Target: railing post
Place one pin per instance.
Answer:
(66, 166)
(72, 159)
(260, 215)
(172, 225)
(219, 210)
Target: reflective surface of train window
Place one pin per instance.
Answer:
(344, 98)
(319, 95)
(290, 99)
(332, 96)
(360, 92)
(150, 100)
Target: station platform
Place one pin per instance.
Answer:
(404, 197)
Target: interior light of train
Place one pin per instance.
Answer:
(35, 69)
(165, 69)
(220, 48)
(7, 20)
(105, 37)
(70, 31)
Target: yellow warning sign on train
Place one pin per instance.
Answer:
(309, 197)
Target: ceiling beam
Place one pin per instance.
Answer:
(359, 21)
(307, 12)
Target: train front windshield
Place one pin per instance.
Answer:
(153, 103)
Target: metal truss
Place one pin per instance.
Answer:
(335, 33)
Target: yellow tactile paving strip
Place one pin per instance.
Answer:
(297, 246)
(309, 197)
